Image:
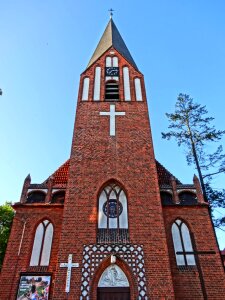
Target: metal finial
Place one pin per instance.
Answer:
(111, 12)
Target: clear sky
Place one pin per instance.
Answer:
(178, 45)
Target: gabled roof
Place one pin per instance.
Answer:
(111, 38)
(61, 174)
(164, 176)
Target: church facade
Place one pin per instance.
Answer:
(112, 222)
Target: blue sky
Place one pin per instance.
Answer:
(179, 46)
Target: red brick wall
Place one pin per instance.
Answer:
(14, 264)
(128, 157)
(186, 282)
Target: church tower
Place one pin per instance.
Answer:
(113, 204)
(112, 222)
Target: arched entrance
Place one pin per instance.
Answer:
(113, 284)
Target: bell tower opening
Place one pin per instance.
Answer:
(111, 90)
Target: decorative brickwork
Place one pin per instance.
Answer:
(93, 255)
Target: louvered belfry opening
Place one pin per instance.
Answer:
(111, 90)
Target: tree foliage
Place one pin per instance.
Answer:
(192, 128)
(6, 218)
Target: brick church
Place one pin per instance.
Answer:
(112, 222)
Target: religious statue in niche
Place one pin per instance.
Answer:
(113, 276)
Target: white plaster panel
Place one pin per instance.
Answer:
(97, 84)
(115, 61)
(186, 190)
(56, 190)
(37, 245)
(37, 190)
(123, 218)
(112, 78)
(108, 61)
(85, 89)
(102, 219)
(138, 92)
(47, 246)
(177, 245)
(126, 82)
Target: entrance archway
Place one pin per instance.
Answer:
(113, 284)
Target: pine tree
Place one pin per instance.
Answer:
(192, 128)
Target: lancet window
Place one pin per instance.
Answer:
(182, 244)
(85, 92)
(111, 61)
(97, 84)
(112, 214)
(42, 244)
(138, 92)
(126, 82)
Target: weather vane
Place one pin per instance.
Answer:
(111, 12)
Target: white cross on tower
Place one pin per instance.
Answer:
(69, 267)
(112, 118)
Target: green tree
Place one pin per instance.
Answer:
(6, 218)
(192, 128)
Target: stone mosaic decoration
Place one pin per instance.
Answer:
(93, 255)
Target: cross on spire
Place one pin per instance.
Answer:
(111, 12)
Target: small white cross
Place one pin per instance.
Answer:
(69, 267)
(112, 120)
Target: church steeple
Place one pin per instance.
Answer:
(112, 38)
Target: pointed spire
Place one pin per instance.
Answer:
(198, 189)
(26, 185)
(111, 38)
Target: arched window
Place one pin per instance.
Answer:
(166, 198)
(126, 82)
(97, 84)
(182, 244)
(188, 198)
(111, 90)
(138, 92)
(112, 214)
(85, 91)
(36, 197)
(111, 61)
(58, 197)
(42, 244)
